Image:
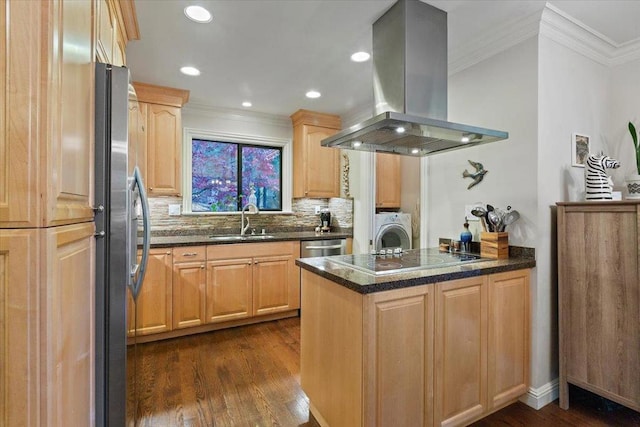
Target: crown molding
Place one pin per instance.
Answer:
(552, 23)
(238, 115)
(494, 41)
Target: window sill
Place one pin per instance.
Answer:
(236, 213)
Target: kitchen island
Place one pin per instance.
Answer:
(443, 345)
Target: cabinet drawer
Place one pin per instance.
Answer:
(189, 253)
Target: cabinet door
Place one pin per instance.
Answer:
(460, 351)
(398, 361)
(508, 335)
(272, 285)
(19, 327)
(229, 289)
(322, 164)
(106, 23)
(189, 281)
(154, 305)
(387, 180)
(46, 110)
(138, 138)
(164, 148)
(68, 316)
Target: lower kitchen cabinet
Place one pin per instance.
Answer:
(229, 289)
(460, 351)
(252, 279)
(155, 301)
(444, 354)
(190, 289)
(189, 280)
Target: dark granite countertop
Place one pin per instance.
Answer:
(169, 240)
(364, 283)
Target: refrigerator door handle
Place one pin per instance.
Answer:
(146, 233)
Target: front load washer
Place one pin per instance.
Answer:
(393, 230)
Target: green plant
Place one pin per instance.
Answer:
(636, 145)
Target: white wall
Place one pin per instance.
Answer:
(625, 107)
(573, 97)
(499, 93)
(236, 122)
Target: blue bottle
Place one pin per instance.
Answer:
(465, 237)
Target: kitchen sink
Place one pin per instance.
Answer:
(237, 237)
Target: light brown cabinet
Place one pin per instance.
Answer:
(252, 279)
(189, 279)
(115, 27)
(599, 299)
(444, 354)
(316, 169)
(46, 141)
(229, 289)
(190, 289)
(155, 301)
(460, 351)
(160, 152)
(388, 180)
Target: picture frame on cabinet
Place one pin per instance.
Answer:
(579, 149)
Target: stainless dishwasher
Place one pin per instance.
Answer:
(314, 248)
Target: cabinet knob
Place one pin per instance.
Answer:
(255, 262)
(168, 252)
(202, 267)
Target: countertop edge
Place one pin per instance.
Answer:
(420, 277)
(204, 239)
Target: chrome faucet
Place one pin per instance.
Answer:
(252, 209)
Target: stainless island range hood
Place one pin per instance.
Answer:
(410, 89)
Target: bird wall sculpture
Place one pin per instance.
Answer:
(477, 176)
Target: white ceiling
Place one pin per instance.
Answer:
(270, 52)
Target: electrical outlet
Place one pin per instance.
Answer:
(469, 208)
(317, 210)
(174, 210)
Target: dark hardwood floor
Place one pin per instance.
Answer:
(249, 376)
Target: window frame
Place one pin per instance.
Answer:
(189, 134)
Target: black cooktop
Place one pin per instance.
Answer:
(416, 259)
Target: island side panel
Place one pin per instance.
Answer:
(331, 351)
(398, 363)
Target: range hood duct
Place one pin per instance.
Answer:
(410, 89)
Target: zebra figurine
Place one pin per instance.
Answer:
(598, 185)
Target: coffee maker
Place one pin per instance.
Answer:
(325, 220)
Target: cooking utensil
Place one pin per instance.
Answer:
(494, 219)
(481, 213)
(511, 217)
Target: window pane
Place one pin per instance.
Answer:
(261, 175)
(214, 176)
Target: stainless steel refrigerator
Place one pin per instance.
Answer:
(120, 206)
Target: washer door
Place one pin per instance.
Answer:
(392, 236)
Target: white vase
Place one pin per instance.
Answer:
(633, 186)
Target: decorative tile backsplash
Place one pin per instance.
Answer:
(303, 218)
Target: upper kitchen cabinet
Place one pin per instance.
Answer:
(316, 169)
(160, 150)
(116, 25)
(46, 113)
(387, 180)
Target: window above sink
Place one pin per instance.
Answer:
(222, 172)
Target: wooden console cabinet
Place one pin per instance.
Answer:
(599, 299)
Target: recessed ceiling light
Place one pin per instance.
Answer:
(415, 151)
(400, 129)
(190, 71)
(357, 144)
(198, 14)
(313, 94)
(247, 104)
(464, 139)
(360, 57)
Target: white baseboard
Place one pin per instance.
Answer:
(541, 396)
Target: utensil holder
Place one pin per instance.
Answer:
(494, 245)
